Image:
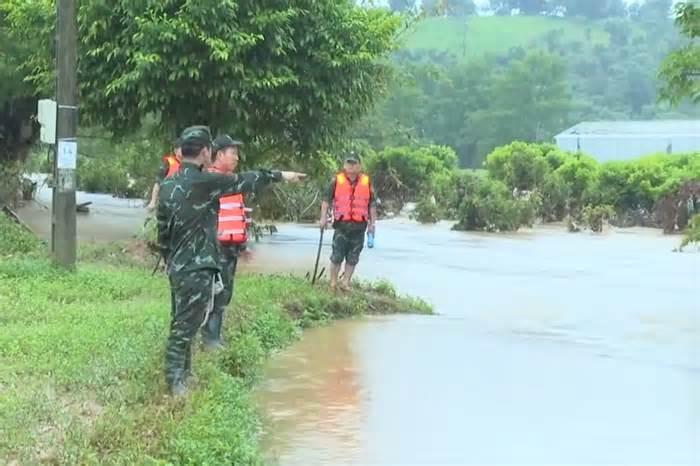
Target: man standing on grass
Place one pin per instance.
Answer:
(354, 212)
(188, 205)
(232, 234)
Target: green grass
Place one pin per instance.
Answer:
(81, 359)
(15, 239)
(497, 34)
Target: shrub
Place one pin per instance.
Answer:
(639, 184)
(126, 169)
(427, 211)
(519, 165)
(401, 174)
(564, 182)
(692, 233)
(15, 239)
(10, 173)
(488, 205)
(553, 197)
(579, 173)
(595, 216)
(290, 202)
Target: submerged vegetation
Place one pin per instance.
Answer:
(525, 183)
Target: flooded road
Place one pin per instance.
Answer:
(550, 348)
(109, 219)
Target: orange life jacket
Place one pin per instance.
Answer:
(233, 222)
(173, 165)
(351, 203)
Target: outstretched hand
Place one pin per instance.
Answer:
(293, 177)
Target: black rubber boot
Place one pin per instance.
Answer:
(178, 389)
(187, 373)
(211, 333)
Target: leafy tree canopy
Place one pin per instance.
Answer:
(680, 71)
(290, 75)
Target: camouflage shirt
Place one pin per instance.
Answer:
(188, 205)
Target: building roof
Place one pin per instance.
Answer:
(635, 128)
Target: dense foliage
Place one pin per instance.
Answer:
(285, 75)
(478, 83)
(401, 174)
(527, 182)
(681, 69)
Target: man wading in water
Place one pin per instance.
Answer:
(354, 212)
(188, 206)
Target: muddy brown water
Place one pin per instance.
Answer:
(548, 348)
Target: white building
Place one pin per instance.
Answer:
(621, 140)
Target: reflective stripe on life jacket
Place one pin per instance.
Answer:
(172, 163)
(351, 203)
(233, 223)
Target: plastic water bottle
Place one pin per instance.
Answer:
(370, 240)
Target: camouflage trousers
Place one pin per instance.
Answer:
(228, 262)
(348, 241)
(191, 298)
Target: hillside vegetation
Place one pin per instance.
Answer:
(498, 34)
(475, 83)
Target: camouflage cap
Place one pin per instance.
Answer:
(224, 141)
(351, 157)
(200, 134)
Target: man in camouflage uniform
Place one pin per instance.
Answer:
(349, 236)
(188, 204)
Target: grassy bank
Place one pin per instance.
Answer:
(81, 361)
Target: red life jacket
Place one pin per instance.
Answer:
(233, 223)
(172, 163)
(351, 203)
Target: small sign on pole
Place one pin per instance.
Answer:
(67, 154)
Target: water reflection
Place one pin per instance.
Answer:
(323, 396)
(551, 348)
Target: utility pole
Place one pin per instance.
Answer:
(63, 228)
